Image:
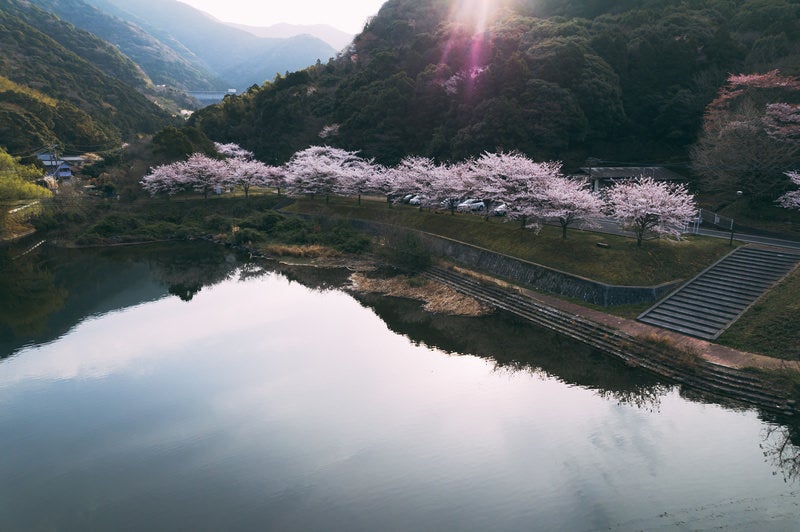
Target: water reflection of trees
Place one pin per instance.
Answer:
(187, 269)
(47, 292)
(517, 345)
(781, 448)
(28, 294)
(316, 278)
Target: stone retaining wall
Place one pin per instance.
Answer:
(527, 273)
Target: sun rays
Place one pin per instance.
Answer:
(475, 13)
(473, 18)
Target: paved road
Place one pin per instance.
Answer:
(607, 225)
(753, 239)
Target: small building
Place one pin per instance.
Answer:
(60, 167)
(604, 176)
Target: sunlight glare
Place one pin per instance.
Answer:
(476, 13)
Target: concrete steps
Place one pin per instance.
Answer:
(718, 380)
(708, 304)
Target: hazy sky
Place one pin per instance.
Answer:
(348, 15)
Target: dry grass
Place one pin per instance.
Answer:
(438, 298)
(305, 251)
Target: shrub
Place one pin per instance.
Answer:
(406, 252)
(115, 224)
(346, 239)
(293, 231)
(161, 230)
(246, 235)
(263, 222)
(216, 223)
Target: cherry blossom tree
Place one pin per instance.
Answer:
(250, 173)
(412, 175)
(199, 173)
(358, 177)
(568, 200)
(514, 179)
(791, 200)
(447, 186)
(645, 205)
(751, 136)
(232, 150)
(383, 180)
(204, 173)
(165, 179)
(321, 170)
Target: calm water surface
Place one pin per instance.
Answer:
(164, 389)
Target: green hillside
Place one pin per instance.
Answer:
(66, 85)
(619, 81)
(164, 65)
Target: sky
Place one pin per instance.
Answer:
(348, 15)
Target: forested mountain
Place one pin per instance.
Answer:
(58, 83)
(622, 81)
(176, 67)
(237, 57)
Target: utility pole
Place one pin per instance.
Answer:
(54, 158)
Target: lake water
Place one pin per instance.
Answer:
(170, 388)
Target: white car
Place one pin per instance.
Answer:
(471, 205)
(500, 210)
(416, 200)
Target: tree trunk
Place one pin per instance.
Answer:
(564, 230)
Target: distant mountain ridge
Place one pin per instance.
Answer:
(164, 64)
(336, 38)
(239, 58)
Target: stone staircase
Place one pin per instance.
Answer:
(710, 378)
(708, 304)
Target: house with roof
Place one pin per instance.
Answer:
(59, 167)
(604, 176)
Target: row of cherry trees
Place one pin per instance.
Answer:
(531, 191)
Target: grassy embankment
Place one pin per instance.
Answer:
(621, 263)
(16, 216)
(770, 327)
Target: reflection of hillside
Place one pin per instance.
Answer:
(97, 281)
(28, 294)
(185, 271)
(513, 343)
(316, 278)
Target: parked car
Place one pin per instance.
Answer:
(407, 198)
(500, 210)
(416, 200)
(471, 205)
(449, 202)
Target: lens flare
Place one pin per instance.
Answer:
(471, 17)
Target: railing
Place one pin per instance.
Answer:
(708, 218)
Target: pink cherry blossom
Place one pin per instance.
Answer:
(644, 204)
